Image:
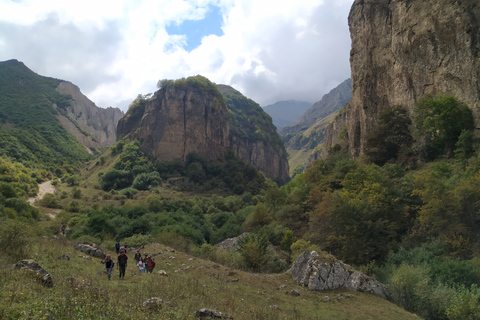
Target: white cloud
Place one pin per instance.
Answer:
(114, 50)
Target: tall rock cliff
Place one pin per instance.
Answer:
(192, 116)
(253, 137)
(403, 50)
(99, 123)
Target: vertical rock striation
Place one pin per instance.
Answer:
(403, 50)
(180, 119)
(100, 123)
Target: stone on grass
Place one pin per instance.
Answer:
(211, 313)
(33, 266)
(316, 273)
(91, 250)
(155, 302)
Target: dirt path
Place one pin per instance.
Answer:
(44, 188)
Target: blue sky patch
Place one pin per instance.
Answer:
(195, 30)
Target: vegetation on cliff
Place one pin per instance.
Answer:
(29, 131)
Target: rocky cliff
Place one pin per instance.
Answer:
(404, 50)
(177, 121)
(84, 115)
(191, 115)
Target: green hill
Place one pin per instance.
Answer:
(30, 133)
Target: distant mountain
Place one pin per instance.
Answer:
(304, 140)
(330, 103)
(286, 113)
(37, 124)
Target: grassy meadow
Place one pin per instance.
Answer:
(191, 283)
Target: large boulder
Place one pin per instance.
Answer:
(91, 250)
(32, 265)
(316, 273)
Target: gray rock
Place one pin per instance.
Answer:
(91, 250)
(295, 292)
(156, 302)
(312, 272)
(32, 265)
(210, 313)
(231, 243)
(64, 257)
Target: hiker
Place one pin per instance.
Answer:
(151, 264)
(64, 227)
(117, 247)
(122, 264)
(125, 247)
(145, 261)
(138, 256)
(141, 265)
(108, 265)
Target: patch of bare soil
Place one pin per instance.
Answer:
(43, 189)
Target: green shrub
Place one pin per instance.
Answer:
(408, 285)
(465, 304)
(49, 200)
(129, 192)
(146, 181)
(138, 240)
(15, 241)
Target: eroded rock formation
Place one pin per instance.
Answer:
(311, 271)
(99, 123)
(404, 50)
(179, 120)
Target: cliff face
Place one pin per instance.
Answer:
(179, 120)
(253, 137)
(404, 50)
(100, 123)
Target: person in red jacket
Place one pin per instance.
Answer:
(151, 264)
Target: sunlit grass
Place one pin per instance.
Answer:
(190, 284)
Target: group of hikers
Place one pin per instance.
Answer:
(144, 264)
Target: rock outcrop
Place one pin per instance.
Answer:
(99, 123)
(91, 250)
(404, 50)
(33, 266)
(194, 118)
(311, 271)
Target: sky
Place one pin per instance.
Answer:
(269, 50)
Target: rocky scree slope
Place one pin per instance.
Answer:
(404, 50)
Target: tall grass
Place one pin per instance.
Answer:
(191, 284)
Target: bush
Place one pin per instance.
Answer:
(138, 240)
(129, 192)
(408, 285)
(15, 241)
(465, 304)
(49, 200)
(174, 240)
(146, 181)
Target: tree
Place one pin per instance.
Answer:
(439, 122)
(391, 135)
